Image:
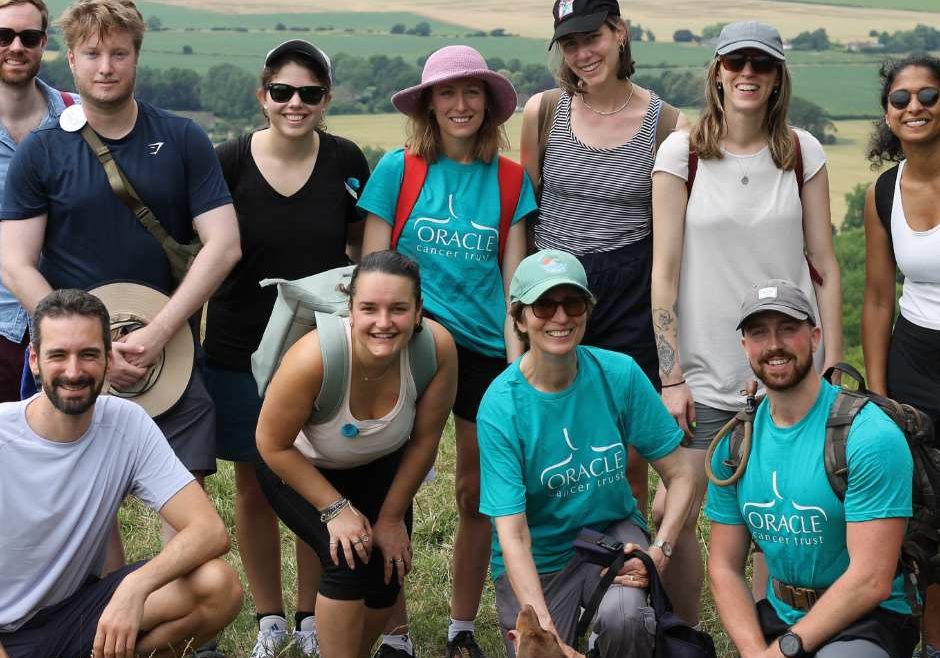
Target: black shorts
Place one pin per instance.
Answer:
(622, 320)
(67, 629)
(365, 486)
(475, 373)
(913, 373)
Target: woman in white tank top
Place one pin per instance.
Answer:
(346, 485)
(902, 357)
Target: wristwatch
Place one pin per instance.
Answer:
(664, 546)
(791, 645)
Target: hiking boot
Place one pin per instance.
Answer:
(306, 642)
(270, 641)
(386, 651)
(209, 650)
(464, 645)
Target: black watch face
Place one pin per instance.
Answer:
(790, 645)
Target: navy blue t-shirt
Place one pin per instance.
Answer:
(91, 236)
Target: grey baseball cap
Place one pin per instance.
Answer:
(750, 34)
(777, 295)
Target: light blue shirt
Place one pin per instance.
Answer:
(453, 235)
(787, 504)
(13, 318)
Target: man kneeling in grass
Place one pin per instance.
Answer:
(67, 459)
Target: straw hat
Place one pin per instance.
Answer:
(454, 63)
(132, 305)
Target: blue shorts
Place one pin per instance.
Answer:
(67, 629)
(237, 407)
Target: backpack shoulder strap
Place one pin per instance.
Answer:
(416, 170)
(798, 163)
(335, 352)
(666, 123)
(693, 166)
(843, 411)
(422, 357)
(884, 196)
(67, 98)
(509, 175)
(547, 105)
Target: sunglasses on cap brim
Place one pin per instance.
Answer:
(760, 62)
(901, 98)
(309, 94)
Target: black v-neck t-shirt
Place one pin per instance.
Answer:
(287, 237)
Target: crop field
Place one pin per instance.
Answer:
(907, 5)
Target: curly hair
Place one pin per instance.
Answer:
(883, 145)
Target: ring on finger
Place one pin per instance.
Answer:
(364, 538)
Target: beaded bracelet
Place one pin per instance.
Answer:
(671, 385)
(333, 510)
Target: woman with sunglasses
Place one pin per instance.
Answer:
(593, 168)
(554, 431)
(901, 233)
(294, 188)
(744, 218)
(465, 227)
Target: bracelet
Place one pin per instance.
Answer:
(671, 385)
(333, 510)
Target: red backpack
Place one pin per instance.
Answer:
(509, 175)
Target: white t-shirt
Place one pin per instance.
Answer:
(918, 256)
(735, 236)
(58, 500)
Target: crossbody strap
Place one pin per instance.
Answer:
(123, 188)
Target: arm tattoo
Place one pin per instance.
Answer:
(664, 327)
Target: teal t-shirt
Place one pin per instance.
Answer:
(453, 234)
(561, 457)
(788, 505)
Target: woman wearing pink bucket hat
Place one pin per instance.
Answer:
(451, 203)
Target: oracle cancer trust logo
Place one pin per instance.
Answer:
(787, 522)
(553, 266)
(582, 471)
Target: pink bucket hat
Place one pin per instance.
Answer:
(453, 63)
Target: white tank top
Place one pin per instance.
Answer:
(918, 256)
(347, 442)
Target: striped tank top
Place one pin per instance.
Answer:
(596, 199)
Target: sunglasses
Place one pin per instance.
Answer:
(735, 62)
(544, 308)
(29, 38)
(309, 94)
(901, 98)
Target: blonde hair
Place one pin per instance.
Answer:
(570, 82)
(424, 135)
(101, 17)
(38, 4)
(707, 133)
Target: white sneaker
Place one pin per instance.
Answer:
(306, 641)
(270, 641)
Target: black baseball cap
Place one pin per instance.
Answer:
(572, 16)
(320, 59)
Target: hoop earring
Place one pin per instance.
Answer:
(419, 327)
(622, 47)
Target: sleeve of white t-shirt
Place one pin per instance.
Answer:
(673, 155)
(157, 474)
(814, 157)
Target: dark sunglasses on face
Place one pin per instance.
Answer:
(29, 38)
(544, 308)
(901, 98)
(760, 63)
(309, 94)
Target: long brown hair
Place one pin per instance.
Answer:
(710, 128)
(570, 82)
(424, 135)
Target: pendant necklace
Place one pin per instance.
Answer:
(744, 177)
(362, 370)
(610, 112)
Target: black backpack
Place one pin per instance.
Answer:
(884, 197)
(920, 550)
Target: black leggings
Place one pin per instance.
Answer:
(365, 487)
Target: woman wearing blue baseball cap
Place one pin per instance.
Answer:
(554, 429)
(740, 198)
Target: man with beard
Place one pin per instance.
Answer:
(836, 590)
(67, 460)
(66, 212)
(26, 102)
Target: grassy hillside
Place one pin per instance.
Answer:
(908, 5)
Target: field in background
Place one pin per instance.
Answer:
(907, 5)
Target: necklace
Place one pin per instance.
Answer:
(362, 370)
(615, 111)
(744, 177)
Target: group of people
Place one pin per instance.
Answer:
(539, 303)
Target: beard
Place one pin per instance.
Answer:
(72, 406)
(801, 367)
(20, 78)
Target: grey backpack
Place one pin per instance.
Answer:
(318, 302)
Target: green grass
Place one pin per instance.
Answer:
(906, 5)
(428, 586)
